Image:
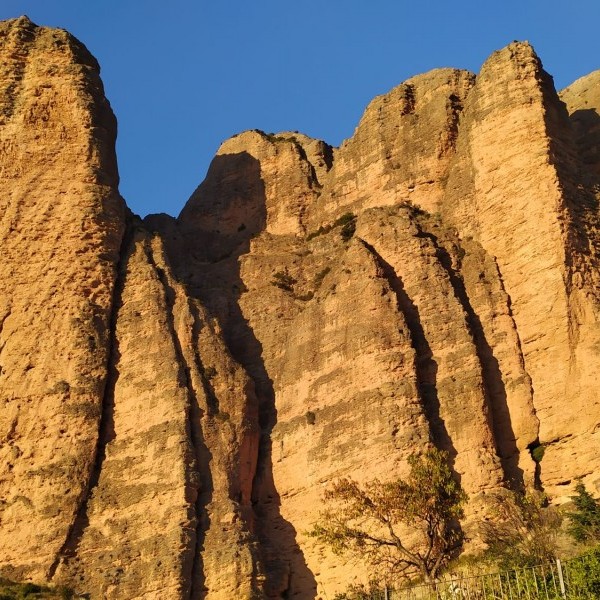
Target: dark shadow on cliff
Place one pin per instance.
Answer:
(425, 366)
(193, 575)
(586, 130)
(212, 233)
(495, 391)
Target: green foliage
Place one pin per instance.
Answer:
(367, 520)
(523, 530)
(283, 280)
(282, 138)
(305, 297)
(210, 372)
(585, 519)
(347, 222)
(537, 452)
(583, 574)
(313, 234)
(344, 219)
(374, 591)
(10, 590)
(61, 387)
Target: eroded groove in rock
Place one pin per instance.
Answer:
(495, 392)
(197, 575)
(396, 233)
(511, 188)
(344, 383)
(192, 579)
(140, 512)
(225, 409)
(106, 424)
(425, 367)
(516, 425)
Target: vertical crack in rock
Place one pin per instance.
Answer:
(203, 458)
(265, 497)
(537, 476)
(495, 392)
(195, 576)
(106, 422)
(425, 366)
(521, 356)
(2, 321)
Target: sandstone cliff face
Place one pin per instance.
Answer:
(61, 224)
(178, 393)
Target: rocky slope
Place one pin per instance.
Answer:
(177, 393)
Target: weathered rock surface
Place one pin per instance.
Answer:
(61, 224)
(177, 393)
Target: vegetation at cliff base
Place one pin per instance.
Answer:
(522, 531)
(10, 590)
(585, 518)
(370, 521)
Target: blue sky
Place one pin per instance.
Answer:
(184, 75)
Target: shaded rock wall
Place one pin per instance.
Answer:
(177, 393)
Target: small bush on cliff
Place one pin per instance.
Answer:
(284, 281)
(407, 527)
(374, 591)
(347, 222)
(348, 225)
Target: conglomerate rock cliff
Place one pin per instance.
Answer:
(176, 394)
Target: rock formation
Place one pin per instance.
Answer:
(176, 394)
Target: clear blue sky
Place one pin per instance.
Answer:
(183, 75)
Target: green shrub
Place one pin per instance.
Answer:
(318, 232)
(347, 222)
(583, 575)
(522, 531)
(284, 281)
(585, 519)
(306, 297)
(537, 452)
(348, 230)
(374, 591)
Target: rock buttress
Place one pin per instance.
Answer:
(61, 225)
(515, 187)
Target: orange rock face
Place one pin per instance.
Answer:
(176, 394)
